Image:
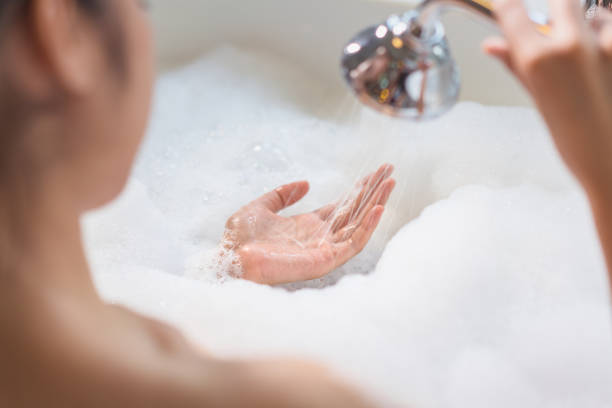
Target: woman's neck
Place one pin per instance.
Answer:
(40, 236)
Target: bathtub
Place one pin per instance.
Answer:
(313, 33)
(484, 286)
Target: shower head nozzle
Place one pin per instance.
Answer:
(401, 69)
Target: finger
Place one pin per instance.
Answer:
(385, 192)
(345, 233)
(352, 210)
(601, 19)
(498, 48)
(602, 25)
(372, 194)
(567, 18)
(347, 208)
(379, 198)
(283, 196)
(367, 180)
(351, 247)
(327, 211)
(514, 22)
(348, 213)
(605, 41)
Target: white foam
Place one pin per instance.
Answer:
(492, 293)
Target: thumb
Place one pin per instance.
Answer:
(498, 48)
(283, 196)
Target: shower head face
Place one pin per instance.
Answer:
(399, 70)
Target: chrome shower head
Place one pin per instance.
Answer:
(399, 69)
(404, 67)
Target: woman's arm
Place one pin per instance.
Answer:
(569, 75)
(601, 202)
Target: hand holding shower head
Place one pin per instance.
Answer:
(404, 67)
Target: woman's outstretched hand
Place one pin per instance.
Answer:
(273, 249)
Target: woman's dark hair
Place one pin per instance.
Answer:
(99, 10)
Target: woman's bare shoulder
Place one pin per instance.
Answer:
(69, 352)
(64, 351)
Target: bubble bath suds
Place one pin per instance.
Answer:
(483, 287)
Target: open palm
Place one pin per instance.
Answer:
(273, 249)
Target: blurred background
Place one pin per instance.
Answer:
(312, 34)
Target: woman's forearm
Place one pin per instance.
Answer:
(601, 203)
(569, 75)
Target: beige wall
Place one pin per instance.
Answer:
(313, 33)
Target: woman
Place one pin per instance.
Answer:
(75, 80)
(75, 84)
